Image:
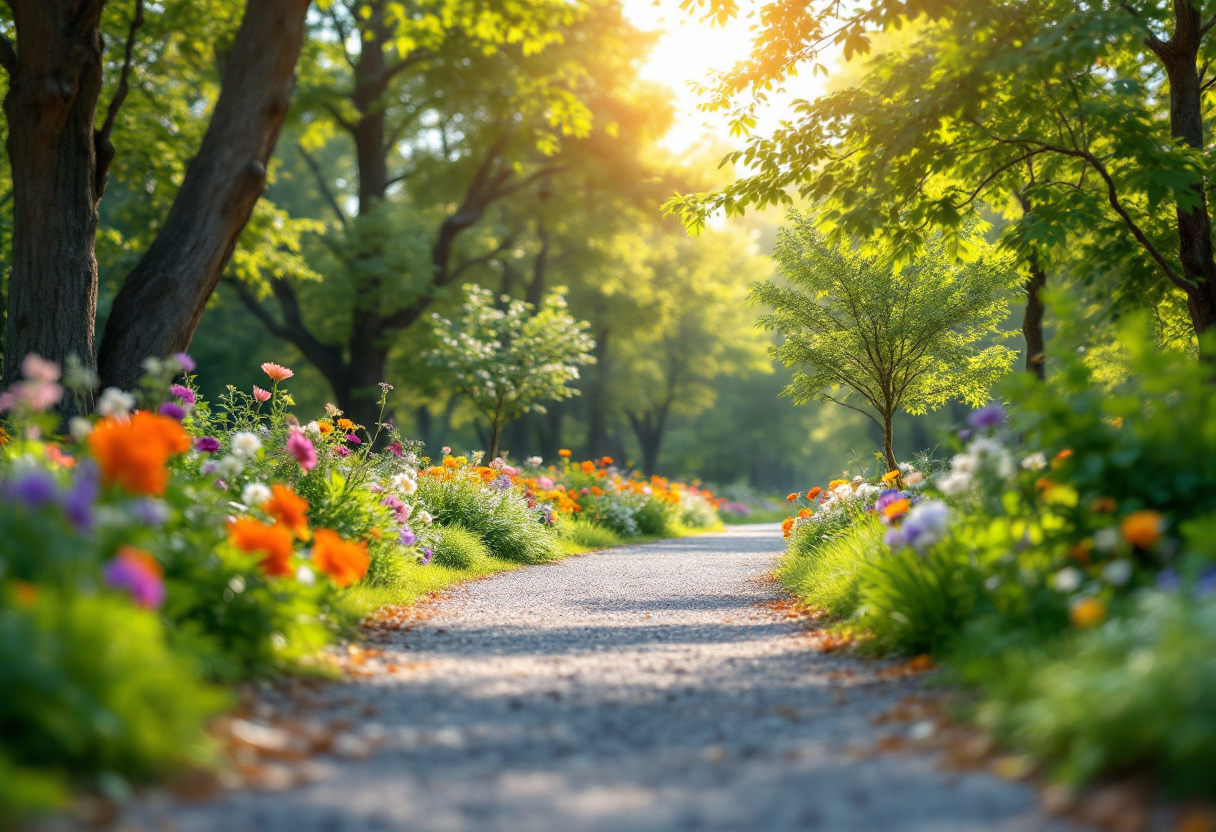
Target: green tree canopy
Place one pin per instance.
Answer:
(904, 338)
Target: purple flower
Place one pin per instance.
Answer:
(426, 554)
(173, 411)
(408, 538)
(895, 538)
(1168, 580)
(150, 512)
(302, 449)
(183, 393)
(137, 573)
(184, 361)
(964, 435)
(397, 449)
(546, 514)
(221, 485)
(501, 483)
(989, 416)
(1206, 585)
(33, 489)
(886, 497)
(77, 502)
(207, 444)
(392, 502)
(209, 467)
(343, 451)
(354, 440)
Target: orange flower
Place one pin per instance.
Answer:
(1080, 551)
(814, 492)
(54, 454)
(587, 466)
(896, 509)
(1059, 458)
(274, 542)
(1104, 505)
(342, 560)
(325, 427)
(792, 497)
(277, 372)
(606, 461)
(806, 512)
(564, 452)
(1044, 485)
(787, 526)
(346, 424)
(1087, 612)
(133, 453)
(834, 484)
(288, 508)
(1142, 528)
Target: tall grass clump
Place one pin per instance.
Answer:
(457, 548)
(824, 572)
(584, 535)
(502, 519)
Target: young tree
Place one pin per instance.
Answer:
(509, 361)
(900, 338)
(61, 155)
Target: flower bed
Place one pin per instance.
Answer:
(167, 548)
(1062, 563)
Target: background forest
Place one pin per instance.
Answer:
(423, 155)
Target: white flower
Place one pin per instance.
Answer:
(993, 583)
(1105, 540)
(404, 483)
(1036, 461)
(1117, 572)
(425, 517)
(865, 491)
(535, 461)
(926, 524)
(1066, 580)
(963, 464)
(915, 480)
(255, 493)
(954, 483)
(115, 403)
(313, 428)
(246, 444)
(906, 468)
(231, 466)
(237, 584)
(209, 467)
(79, 427)
(306, 576)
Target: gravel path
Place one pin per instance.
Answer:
(644, 688)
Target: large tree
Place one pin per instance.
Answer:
(60, 153)
(1085, 121)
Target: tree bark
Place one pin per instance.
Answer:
(648, 428)
(888, 442)
(495, 432)
(55, 79)
(158, 308)
(1180, 57)
(1032, 320)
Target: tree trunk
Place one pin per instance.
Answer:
(55, 79)
(1032, 320)
(597, 405)
(425, 425)
(888, 446)
(359, 396)
(649, 429)
(158, 308)
(1179, 56)
(495, 432)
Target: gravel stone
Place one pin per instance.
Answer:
(641, 688)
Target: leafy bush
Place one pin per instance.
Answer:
(656, 517)
(826, 572)
(456, 547)
(585, 533)
(91, 687)
(1133, 695)
(502, 519)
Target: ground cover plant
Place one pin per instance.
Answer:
(167, 547)
(1061, 563)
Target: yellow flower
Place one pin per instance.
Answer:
(1087, 612)
(835, 483)
(891, 476)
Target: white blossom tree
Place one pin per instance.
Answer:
(509, 360)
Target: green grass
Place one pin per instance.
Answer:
(775, 515)
(826, 576)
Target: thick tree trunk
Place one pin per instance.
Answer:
(55, 79)
(1032, 320)
(495, 433)
(158, 308)
(888, 442)
(359, 396)
(649, 428)
(1180, 59)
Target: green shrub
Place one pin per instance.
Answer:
(826, 575)
(1134, 694)
(588, 534)
(502, 519)
(90, 687)
(456, 547)
(917, 603)
(656, 518)
(696, 512)
(27, 791)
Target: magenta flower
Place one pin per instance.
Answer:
(302, 450)
(184, 393)
(343, 451)
(207, 444)
(408, 538)
(184, 361)
(173, 411)
(139, 574)
(352, 439)
(397, 449)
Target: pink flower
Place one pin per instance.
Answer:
(277, 372)
(260, 394)
(182, 392)
(299, 446)
(343, 450)
(37, 368)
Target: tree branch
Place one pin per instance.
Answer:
(323, 185)
(336, 116)
(101, 138)
(326, 358)
(851, 407)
